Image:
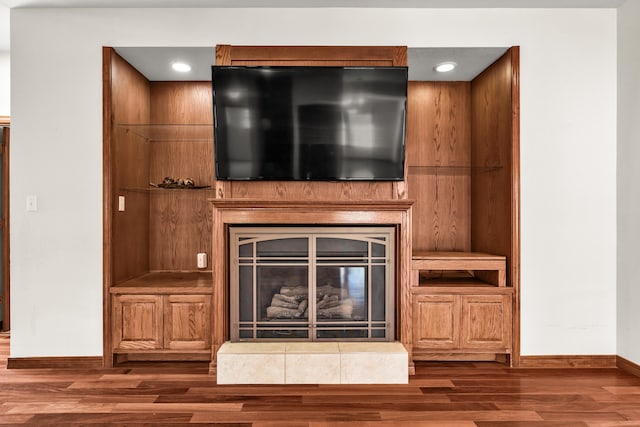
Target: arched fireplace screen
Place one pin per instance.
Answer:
(312, 283)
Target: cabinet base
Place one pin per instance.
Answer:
(460, 357)
(199, 356)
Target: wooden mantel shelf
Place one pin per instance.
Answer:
(344, 212)
(347, 205)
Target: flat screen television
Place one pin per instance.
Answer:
(309, 123)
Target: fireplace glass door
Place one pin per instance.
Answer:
(312, 283)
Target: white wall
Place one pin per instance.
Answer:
(5, 86)
(5, 107)
(568, 145)
(629, 181)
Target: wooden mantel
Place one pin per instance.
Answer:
(226, 212)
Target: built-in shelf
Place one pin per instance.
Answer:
(158, 190)
(458, 270)
(167, 282)
(451, 170)
(170, 132)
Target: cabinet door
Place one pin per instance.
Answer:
(137, 322)
(187, 322)
(486, 322)
(436, 321)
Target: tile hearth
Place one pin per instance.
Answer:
(312, 363)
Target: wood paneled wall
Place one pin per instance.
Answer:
(492, 199)
(159, 230)
(129, 170)
(5, 288)
(439, 158)
(312, 56)
(495, 187)
(180, 220)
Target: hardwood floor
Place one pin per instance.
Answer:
(439, 395)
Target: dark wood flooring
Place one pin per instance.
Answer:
(440, 395)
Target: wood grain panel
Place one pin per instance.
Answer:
(438, 124)
(436, 322)
(491, 147)
(180, 228)
(628, 366)
(180, 220)
(390, 54)
(6, 288)
(486, 322)
(314, 63)
(137, 322)
(568, 361)
(289, 190)
(187, 322)
(77, 362)
(514, 265)
(129, 164)
(181, 103)
(108, 203)
(438, 158)
(495, 201)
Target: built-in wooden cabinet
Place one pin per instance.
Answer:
(157, 300)
(161, 322)
(447, 323)
(462, 178)
(461, 304)
(162, 315)
(463, 173)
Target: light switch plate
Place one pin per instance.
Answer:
(32, 203)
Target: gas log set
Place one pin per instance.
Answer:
(292, 302)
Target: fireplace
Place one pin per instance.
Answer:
(243, 214)
(309, 283)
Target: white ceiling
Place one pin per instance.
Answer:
(155, 62)
(317, 3)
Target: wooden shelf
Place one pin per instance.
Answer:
(458, 269)
(459, 256)
(158, 190)
(170, 132)
(450, 170)
(167, 282)
(477, 288)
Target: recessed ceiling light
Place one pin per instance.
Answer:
(181, 67)
(445, 67)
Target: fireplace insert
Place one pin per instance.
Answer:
(312, 283)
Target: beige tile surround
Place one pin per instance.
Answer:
(312, 363)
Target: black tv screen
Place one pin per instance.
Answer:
(309, 123)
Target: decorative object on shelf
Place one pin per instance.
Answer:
(180, 183)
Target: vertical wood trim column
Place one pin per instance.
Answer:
(107, 208)
(515, 201)
(219, 270)
(406, 306)
(223, 188)
(399, 188)
(6, 294)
